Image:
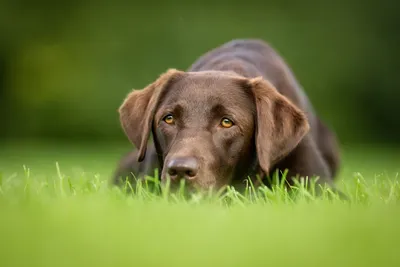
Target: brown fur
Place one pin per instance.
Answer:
(275, 126)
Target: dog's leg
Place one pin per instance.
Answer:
(307, 161)
(129, 169)
(328, 145)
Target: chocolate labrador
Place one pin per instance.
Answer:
(238, 112)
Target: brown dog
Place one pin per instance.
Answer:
(238, 112)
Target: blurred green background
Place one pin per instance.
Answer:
(65, 66)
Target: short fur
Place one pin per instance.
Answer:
(275, 125)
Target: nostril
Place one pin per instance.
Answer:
(172, 172)
(190, 173)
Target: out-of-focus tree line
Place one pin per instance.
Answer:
(65, 66)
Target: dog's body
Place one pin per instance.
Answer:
(277, 127)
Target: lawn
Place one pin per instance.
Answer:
(56, 209)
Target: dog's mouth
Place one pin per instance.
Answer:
(190, 184)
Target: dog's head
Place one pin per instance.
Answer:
(209, 128)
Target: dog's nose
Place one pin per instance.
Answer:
(184, 167)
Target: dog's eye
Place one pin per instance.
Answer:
(169, 119)
(226, 123)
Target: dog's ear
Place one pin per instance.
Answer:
(137, 111)
(280, 124)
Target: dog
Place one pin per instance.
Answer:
(237, 113)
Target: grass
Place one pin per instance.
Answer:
(56, 209)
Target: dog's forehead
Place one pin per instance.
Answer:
(210, 87)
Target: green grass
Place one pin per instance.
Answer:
(56, 209)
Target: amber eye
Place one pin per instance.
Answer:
(169, 119)
(226, 123)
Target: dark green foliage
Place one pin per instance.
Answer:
(66, 66)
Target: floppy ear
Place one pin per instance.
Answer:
(280, 124)
(137, 111)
